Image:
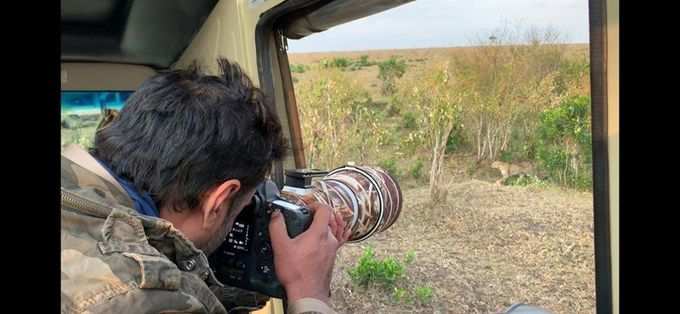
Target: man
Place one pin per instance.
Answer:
(160, 191)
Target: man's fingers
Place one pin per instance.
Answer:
(333, 223)
(322, 215)
(343, 233)
(340, 225)
(334, 241)
(277, 230)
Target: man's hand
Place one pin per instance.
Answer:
(304, 265)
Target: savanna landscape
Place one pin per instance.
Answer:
(478, 232)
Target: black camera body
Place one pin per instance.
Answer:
(245, 259)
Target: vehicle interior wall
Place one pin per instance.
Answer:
(229, 31)
(82, 76)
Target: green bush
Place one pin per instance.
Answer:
(389, 72)
(363, 61)
(298, 68)
(410, 121)
(564, 148)
(506, 156)
(341, 62)
(389, 275)
(390, 165)
(336, 62)
(524, 180)
(371, 270)
(456, 139)
(417, 170)
(570, 71)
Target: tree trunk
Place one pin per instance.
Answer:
(437, 191)
(480, 148)
(507, 131)
(434, 169)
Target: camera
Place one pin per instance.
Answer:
(368, 199)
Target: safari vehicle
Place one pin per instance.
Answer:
(110, 46)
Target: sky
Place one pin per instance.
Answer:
(449, 23)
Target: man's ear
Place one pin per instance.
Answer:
(218, 199)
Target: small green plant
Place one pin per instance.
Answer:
(424, 294)
(410, 121)
(410, 257)
(371, 270)
(400, 294)
(390, 165)
(524, 180)
(417, 170)
(388, 274)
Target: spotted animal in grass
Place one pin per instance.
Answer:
(508, 169)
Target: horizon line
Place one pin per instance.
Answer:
(414, 48)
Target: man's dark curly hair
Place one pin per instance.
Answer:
(183, 132)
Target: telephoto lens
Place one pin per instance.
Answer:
(368, 198)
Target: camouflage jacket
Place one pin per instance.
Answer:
(116, 260)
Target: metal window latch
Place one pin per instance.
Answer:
(283, 40)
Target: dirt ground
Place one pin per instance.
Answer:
(484, 249)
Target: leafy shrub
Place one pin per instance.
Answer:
(390, 165)
(388, 274)
(564, 148)
(340, 63)
(389, 72)
(298, 68)
(410, 121)
(363, 61)
(524, 180)
(371, 270)
(456, 139)
(417, 170)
